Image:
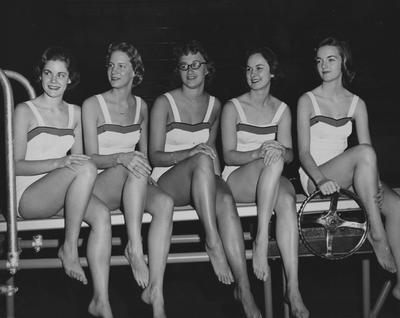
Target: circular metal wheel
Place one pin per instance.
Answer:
(333, 234)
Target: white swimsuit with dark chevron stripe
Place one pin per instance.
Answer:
(181, 136)
(328, 136)
(113, 138)
(45, 142)
(251, 137)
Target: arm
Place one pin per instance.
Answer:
(361, 120)
(144, 125)
(229, 139)
(214, 119)
(285, 135)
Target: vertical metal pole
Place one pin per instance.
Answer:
(285, 304)
(268, 298)
(12, 256)
(10, 304)
(366, 287)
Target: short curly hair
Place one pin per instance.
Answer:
(268, 55)
(58, 53)
(134, 57)
(193, 47)
(345, 53)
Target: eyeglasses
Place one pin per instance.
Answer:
(194, 66)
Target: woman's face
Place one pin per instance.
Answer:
(258, 73)
(329, 63)
(193, 70)
(119, 70)
(55, 78)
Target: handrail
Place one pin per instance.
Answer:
(12, 256)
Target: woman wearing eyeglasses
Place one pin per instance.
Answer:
(184, 126)
(114, 123)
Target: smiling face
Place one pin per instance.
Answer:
(258, 73)
(55, 78)
(329, 63)
(119, 70)
(192, 77)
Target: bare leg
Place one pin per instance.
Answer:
(357, 166)
(288, 239)
(71, 189)
(192, 180)
(232, 238)
(160, 206)
(98, 254)
(117, 184)
(391, 211)
(258, 183)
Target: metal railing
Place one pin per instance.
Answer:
(13, 252)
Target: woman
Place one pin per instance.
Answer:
(114, 122)
(324, 122)
(257, 141)
(49, 181)
(184, 125)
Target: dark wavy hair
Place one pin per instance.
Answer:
(58, 53)
(134, 57)
(193, 47)
(345, 54)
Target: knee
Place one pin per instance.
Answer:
(286, 201)
(164, 203)
(88, 169)
(274, 167)
(366, 154)
(203, 162)
(102, 219)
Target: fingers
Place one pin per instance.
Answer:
(205, 149)
(328, 187)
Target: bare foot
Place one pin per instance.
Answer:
(297, 307)
(153, 296)
(100, 309)
(71, 264)
(220, 264)
(396, 291)
(245, 297)
(383, 254)
(260, 261)
(138, 265)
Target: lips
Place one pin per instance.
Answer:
(54, 88)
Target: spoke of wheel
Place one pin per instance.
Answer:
(354, 225)
(329, 243)
(334, 202)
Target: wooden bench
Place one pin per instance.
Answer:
(38, 229)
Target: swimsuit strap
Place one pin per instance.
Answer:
(36, 113)
(70, 116)
(353, 106)
(279, 113)
(314, 103)
(103, 106)
(138, 104)
(209, 109)
(174, 108)
(239, 109)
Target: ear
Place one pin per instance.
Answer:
(272, 75)
(69, 81)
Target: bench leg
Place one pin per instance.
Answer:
(10, 299)
(268, 299)
(366, 288)
(381, 299)
(285, 304)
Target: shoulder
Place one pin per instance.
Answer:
(90, 103)
(304, 103)
(23, 112)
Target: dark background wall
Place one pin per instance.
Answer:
(227, 28)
